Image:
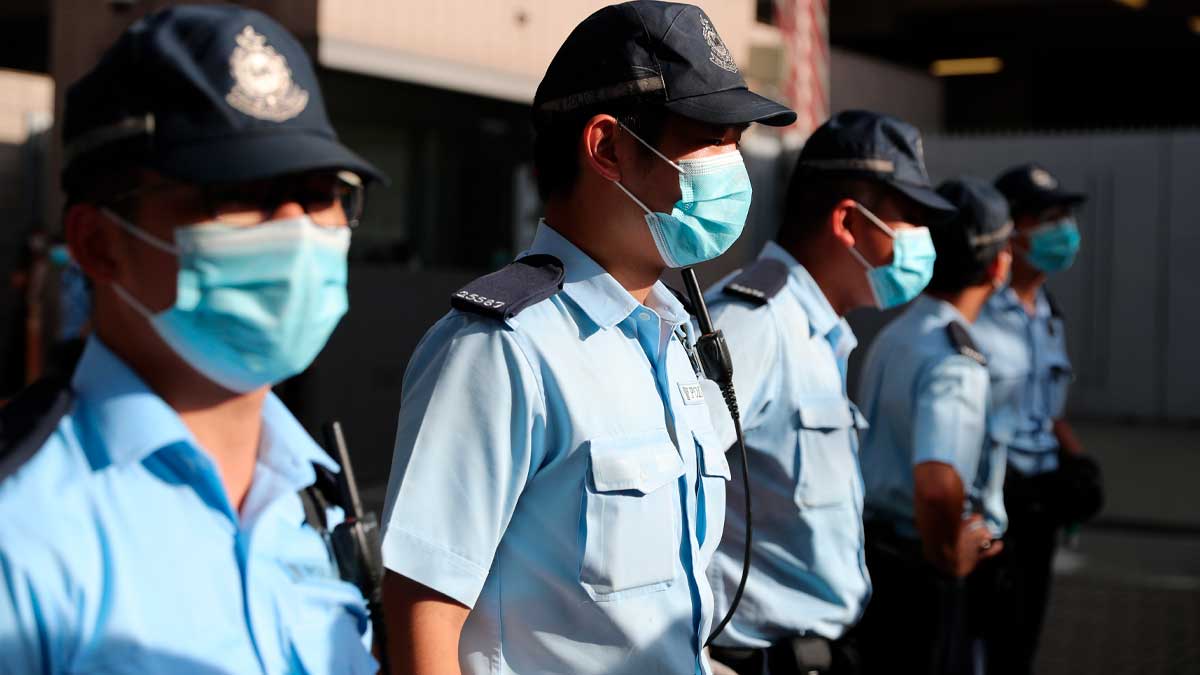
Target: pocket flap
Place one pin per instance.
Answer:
(1061, 369)
(712, 455)
(642, 462)
(824, 415)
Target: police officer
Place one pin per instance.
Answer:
(556, 492)
(852, 236)
(1050, 481)
(150, 516)
(934, 504)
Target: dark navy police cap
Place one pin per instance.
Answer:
(1030, 188)
(864, 144)
(659, 52)
(213, 93)
(983, 223)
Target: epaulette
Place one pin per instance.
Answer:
(961, 339)
(29, 419)
(506, 292)
(759, 282)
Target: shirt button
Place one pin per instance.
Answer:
(644, 316)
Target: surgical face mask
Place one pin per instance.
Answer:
(59, 255)
(253, 305)
(711, 211)
(1052, 246)
(911, 268)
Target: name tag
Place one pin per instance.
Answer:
(299, 571)
(692, 393)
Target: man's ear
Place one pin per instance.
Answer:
(839, 222)
(998, 271)
(90, 237)
(598, 146)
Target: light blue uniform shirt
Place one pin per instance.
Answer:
(120, 552)
(1031, 373)
(789, 357)
(927, 402)
(557, 473)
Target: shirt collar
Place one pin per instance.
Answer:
(287, 447)
(944, 311)
(1006, 299)
(601, 297)
(822, 319)
(134, 422)
(131, 420)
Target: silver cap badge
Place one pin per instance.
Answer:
(262, 82)
(719, 52)
(1043, 179)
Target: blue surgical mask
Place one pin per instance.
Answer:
(59, 255)
(1052, 246)
(711, 211)
(911, 267)
(253, 305)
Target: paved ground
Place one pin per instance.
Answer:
(1116, 628)
(1128, 599)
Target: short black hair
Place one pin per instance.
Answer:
(958, 264)
(556, 140)
(812, 195)
(101, 186)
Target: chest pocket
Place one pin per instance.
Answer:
(1058, 385)
(1059, 375)
(828, 467)
(631, 516)
(327, 621)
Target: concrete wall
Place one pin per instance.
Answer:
(498, 48)
(860, 81)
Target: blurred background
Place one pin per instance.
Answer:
(437, 94)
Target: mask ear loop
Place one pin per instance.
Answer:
(630, 195)
(139, 233)
(875, 219)
(651, 148)
(655, 151)
(132, 301)
(147, 238)
(879, 223)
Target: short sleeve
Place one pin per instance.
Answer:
(950, 415)
(471, 422)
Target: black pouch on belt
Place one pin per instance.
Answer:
(801, 655)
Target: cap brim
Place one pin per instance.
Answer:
(926, 197)
(243, 158)
(732, 106)
(1051, 199)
